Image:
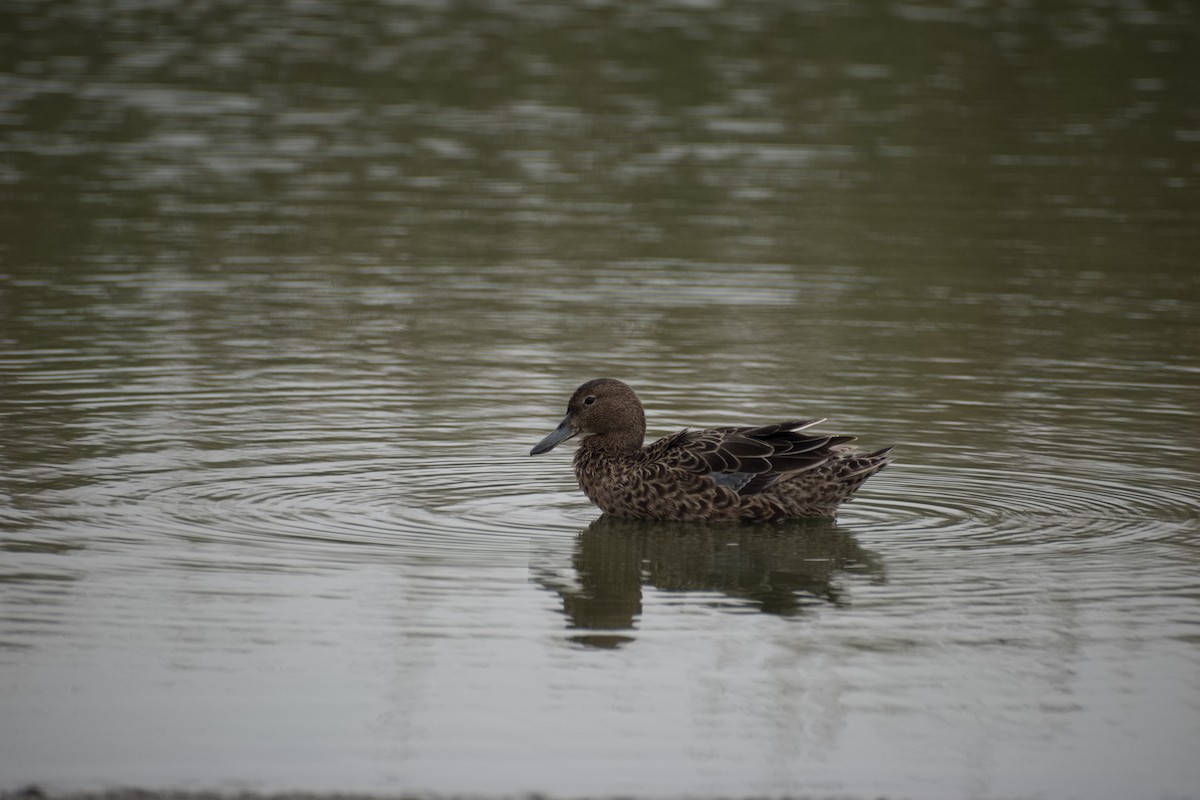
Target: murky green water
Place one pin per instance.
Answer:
(287, 292)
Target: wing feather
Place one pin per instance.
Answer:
(748, 460)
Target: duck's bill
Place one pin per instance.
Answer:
(563, 432)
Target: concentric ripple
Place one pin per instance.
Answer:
(993, 506)
(449, 507)
(349, 510)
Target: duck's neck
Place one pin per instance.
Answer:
(615, 442)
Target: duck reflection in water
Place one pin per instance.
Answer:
(784, 569)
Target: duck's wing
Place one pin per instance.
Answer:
(747, 460)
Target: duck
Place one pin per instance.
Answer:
(767, 473)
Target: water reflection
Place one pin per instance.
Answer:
(785, 569)
(427, 132)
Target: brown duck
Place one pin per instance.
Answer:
(719, 475)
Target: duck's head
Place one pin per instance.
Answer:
(604, 407)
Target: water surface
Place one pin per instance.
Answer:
(286, 296)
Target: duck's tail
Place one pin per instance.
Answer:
(866, 464)
(851, 472)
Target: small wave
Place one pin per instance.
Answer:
(347, 511)
(991, 506)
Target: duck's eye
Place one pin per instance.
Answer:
(591, 398)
